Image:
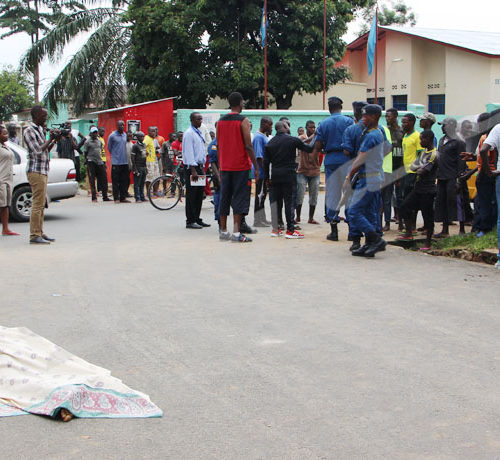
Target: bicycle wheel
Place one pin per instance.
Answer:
(168, 193)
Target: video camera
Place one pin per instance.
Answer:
(63, 130)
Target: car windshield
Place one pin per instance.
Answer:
(20, 153)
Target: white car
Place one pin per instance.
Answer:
(61, 183)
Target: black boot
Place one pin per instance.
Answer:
(334, 235)
(375, 244)
(356, 243)
(245, 228)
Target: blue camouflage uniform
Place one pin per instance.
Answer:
(366, 201)
(330, 132)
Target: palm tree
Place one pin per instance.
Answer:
(35, 18)
(95, 74)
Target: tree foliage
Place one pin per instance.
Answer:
(95, 74)
(34, 18)
(167, 57)
(222, 50)
(196, 50)
(15, 93)
(395, 13)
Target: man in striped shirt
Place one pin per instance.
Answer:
(37, 170)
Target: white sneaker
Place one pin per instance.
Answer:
(497, 265)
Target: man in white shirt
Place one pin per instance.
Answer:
(493, 142)
(194, 156)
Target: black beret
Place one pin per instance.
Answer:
(356, 105)
(335, 100)
(372, 109)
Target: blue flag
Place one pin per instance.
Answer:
(372, 44)
(263, 26)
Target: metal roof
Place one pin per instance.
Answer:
(485, 43)
(129, 106)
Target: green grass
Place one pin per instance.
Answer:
(469, 241)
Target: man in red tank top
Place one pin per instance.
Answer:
(236, 156)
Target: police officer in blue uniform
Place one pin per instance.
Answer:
(351, 142)
(364, 210)
(329, 138)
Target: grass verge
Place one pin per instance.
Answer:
(469, 242)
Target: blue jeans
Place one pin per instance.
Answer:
(139, 180)
(364, 211)
(216, 197)
(335, 176)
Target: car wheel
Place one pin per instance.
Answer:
(20, 209)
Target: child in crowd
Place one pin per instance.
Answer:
(421, 198)
(138, 159)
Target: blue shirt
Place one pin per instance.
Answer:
(373, 144)
(212, 152)
(351, 141)
(259, 144)
(330, 132)
(117, 146)
(193, 148)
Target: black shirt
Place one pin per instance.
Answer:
(449, 162)
(138, 155)
(280, 151)
(397, 147)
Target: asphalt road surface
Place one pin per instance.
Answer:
(278, 349)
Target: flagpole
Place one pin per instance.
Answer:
(376, 55)
(324, 54)
(265, 55)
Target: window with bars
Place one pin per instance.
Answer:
(437, 103)
(400, 102)
(380, 101)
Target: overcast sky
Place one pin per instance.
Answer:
(482, 15)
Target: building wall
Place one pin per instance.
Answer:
(159, 114)
(398, 63)
(418, 68)
(348, 92)
(468, 86)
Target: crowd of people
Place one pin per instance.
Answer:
(370, 170)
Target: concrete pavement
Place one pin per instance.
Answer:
(272, 350)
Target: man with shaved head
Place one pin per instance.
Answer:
(280, 152)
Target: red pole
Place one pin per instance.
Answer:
(324, 54)
(265, 56)
(376, 55)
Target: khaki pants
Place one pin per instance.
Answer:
(38, 183)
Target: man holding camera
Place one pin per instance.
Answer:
(38, 169)
(68, 148)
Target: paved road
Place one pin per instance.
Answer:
(274, 350)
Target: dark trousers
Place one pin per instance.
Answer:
(76, 161)
(259, 212)
(102, 179)
(446, 201)
(120, 179)
(194, 197)
(139, 180)
(282, 191)
(487, 207)
(387, 191)
(423, 202)
(93, 171)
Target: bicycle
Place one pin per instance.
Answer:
(170, 190)
(173, 189)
